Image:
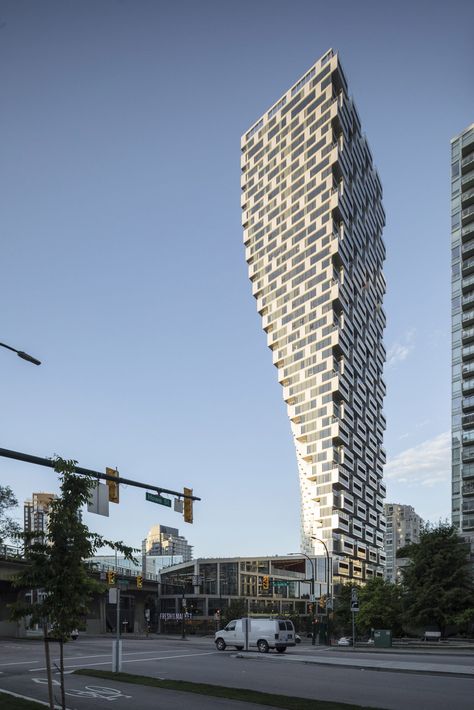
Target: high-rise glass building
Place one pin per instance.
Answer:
(462, 274)
(313, 220)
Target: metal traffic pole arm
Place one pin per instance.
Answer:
(28, 458)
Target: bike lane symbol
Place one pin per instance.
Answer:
(99, 692)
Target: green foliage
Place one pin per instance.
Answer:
(380, 607)
(56, 559)
(256, 697)
(342, 618)
(9, 528)
(237, 609)
(437, 583)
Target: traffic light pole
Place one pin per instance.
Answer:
(49, 463)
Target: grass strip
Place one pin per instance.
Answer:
(9, 702)
(221, 691)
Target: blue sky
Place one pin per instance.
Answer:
(123, 267)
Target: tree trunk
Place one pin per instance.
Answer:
(61, 673)
(48, 666)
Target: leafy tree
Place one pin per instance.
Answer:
(342, 619)
(380, 606)
(437, 582)
(57, 566)
(9, 528)
(237, 609)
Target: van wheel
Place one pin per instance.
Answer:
(281, 649)
(239, 648)
(262, 646)
(220, 645)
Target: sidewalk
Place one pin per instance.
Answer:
(374, 664)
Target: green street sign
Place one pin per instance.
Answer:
(154, 498)
(280, 583)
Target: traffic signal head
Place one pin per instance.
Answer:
(188, 505)
(266, 582)
(111, 578)
(139, 581)
(112, 486)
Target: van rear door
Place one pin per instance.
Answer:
(286, 632)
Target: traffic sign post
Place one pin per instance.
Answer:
(354, 610)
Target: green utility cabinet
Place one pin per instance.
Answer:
(382, 638)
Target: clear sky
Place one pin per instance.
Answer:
(122, 263)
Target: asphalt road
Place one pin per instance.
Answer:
(22, 671)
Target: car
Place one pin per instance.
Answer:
(74, 634)
(297, 638)
(345, 641)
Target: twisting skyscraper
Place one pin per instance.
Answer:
(313, 219)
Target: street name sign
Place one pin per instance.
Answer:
(154, 498)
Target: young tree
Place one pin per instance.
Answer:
(57, 566)
(437, 582)
(9, 528)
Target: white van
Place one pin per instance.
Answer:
(262, 633)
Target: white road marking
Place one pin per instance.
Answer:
(131, 660)
(19, 663)
(27, 697)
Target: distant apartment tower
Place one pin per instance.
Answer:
(165, 541)
(403, 528)
(36, 512)
(313, 220)
(462, 270)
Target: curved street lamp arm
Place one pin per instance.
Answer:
(22, 354)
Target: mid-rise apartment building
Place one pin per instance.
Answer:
(313, 220)
(165, 541)
(403, 528)
(462, 272)
(36, 512)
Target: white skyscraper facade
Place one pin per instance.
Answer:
(313, 220)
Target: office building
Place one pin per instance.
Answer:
(313, 220)
(403, 528)
(462, 271)
(270, 585)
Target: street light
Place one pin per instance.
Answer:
(23, 355)
(313, 599)
(328, 582)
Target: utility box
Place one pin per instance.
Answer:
(382, 638)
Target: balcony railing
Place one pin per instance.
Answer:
(467, 215)
(467, 197)
(468, 179)
(467, 162)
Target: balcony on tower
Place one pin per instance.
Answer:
(467, 180)
(468, 248)
(467, 198)
(467, 163)
(467, 215)
(468, 335)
